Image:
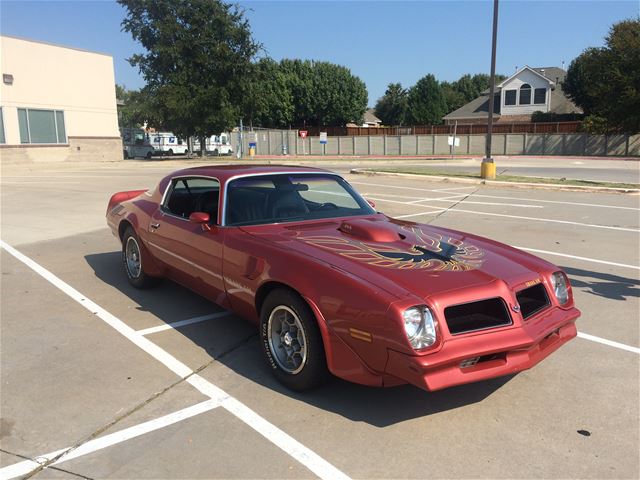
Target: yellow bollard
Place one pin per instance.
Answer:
(252, 152)
(488, 170)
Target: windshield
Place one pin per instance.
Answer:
(282, 198)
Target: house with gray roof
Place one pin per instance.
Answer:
(516, 98)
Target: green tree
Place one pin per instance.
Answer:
(324, 93)
(426, 102)
(197, 61)
(605, 81)
(391, 108)
(269, 100)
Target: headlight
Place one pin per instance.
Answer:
(560, 289)
(419, 327)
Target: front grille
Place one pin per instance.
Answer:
(532, 300)
(474, 316)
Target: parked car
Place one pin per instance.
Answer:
(167, 143)
(335, 286)
(216, 145)
(135, 143)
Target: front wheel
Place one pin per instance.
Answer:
(132, 261)
(291, 341)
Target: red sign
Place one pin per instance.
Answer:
(303, 133)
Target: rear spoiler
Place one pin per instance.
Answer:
(120, 197)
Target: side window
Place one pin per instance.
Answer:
(525, 94)
(188, 195)
(540, 96)
(510, 97)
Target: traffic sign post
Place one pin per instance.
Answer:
(323, 142)
(303, 135)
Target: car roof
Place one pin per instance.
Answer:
(224, 172)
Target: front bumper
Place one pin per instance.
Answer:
(502, 353)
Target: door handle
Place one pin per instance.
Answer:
(155, 225)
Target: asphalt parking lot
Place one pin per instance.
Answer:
(99, 380)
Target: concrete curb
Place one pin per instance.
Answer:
(541, 186)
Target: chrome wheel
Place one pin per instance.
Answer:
(287, 340)
(132, 257)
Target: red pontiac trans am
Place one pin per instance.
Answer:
(335, 286)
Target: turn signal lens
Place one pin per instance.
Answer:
(419, 327)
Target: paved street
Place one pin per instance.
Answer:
(90, 363)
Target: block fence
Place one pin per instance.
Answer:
(275, 142)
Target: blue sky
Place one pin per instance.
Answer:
(380, 41)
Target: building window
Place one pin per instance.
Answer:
(540, 96)
(41, 126)
(525, 94)
(510, 97)
(2, 140)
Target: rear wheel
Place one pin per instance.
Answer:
(132, 261)
(170, 152)
(216, 152)
(291, 341)
(149, 155)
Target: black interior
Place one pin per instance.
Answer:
(183, 202)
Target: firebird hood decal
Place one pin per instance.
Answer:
(434, 253)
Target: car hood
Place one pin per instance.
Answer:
(406, 257)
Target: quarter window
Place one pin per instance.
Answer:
(41, 126)
(525, 94)
(510, 97)
(188, 195)
(540, 96)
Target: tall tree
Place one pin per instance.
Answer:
(324, 93)
(269, 102)
(426, 103)
(391, 108)
(197, 61)
(605, 82)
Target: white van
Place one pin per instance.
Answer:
(215, 145)
(135, 143)
(167, 143)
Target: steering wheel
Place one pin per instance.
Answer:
(326, 205)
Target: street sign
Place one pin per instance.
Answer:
(252, 137)
(451, 141)
(323, 138)
(303, 133)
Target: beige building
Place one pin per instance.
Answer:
(57, 104)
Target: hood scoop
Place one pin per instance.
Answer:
(370, 230)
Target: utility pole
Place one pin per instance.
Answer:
(488, 167)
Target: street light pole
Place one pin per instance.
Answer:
(488, 167)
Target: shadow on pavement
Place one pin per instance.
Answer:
(225, 337)
(605, 285)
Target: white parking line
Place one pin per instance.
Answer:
(421, 213)
(23, 468)
(599, 205)
(288, 444)
(610, 343)
(586, 259)
(182, 323)
(536, 219)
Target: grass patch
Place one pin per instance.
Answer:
(507, 178)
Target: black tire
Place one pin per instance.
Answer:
(137, 277)
(216, 153)
(170, 152)
(149, 155)
(312, 370)
(125, 154)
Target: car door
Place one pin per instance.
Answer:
(191, 251)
